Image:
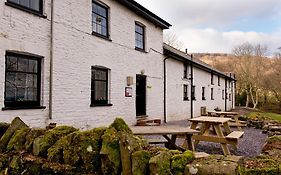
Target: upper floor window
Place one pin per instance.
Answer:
(203, 93)
(185, 92)
(31, 5)
(99, 86)
(23, 80)
(100, 19)
(212, 78)
(185, 70)
(139, 36)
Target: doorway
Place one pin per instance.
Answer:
(140, 95)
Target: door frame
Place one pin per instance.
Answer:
(144, 102)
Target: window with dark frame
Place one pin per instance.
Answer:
(222, 94)
(212, 93)
(212, 78)
(99, 86)
(139, 36)
(203, 93)
(22, 81)
(193, 93)
(219, 80)
(185, 70)
(185, 92)
(100, 19)
(230, 97)
(31, 5)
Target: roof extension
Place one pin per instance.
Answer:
(181, 56)
(142, 11)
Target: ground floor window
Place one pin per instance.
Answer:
(212, 93)
(203, 93)
(99, 85)
(22, 80)
(185, 92)
(193, 93)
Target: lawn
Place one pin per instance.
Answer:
(264, 115)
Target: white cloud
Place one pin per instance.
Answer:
(211, 40)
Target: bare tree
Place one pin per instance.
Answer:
(172, 40)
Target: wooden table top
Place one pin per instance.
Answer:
(162, 130)
(219, 120)
(224, 112)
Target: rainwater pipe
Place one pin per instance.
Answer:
(51, 62)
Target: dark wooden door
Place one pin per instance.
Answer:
(141, 95)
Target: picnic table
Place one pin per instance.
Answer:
(220, 126)
(174, 131)
(234, 115)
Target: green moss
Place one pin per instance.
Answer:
(260, 167)
(110, 152)
(179, 162)
(4, 161)
(58, 169)
(160, 164)
(17, 142)
(16, 165)
(274, 139)
(140, 162)
(31, 136)
(261, 116)
(175, 152)
(3, 128)
(120, 125)
(51, 137)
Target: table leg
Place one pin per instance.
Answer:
(226, 128)
(220, 134)
(237, 122)
(189, 141)
(204, 130)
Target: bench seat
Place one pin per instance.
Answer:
(235, 135)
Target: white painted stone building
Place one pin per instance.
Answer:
(83, 63)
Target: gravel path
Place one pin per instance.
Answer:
(249, 146)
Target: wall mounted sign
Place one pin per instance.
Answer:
(128, 92)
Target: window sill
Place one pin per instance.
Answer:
(186, 99)
(140, 50)
(100, 105)
(23, 108)
(101, 36)
(25, 9)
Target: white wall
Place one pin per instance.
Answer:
(177, 108)
(75, 51)
(25, 32)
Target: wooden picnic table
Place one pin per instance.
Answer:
(165, 130)
(219, 124)
(233, 115)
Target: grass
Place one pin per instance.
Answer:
(264, 115)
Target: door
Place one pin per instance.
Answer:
(141, 95)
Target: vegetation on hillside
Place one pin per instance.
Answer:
(258, 77)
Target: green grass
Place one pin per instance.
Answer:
(264, 115)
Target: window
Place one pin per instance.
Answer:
(212, 78)
(30, 5)
(139, 36)
(222, 94)
(185, 70)
(203, 93)
(219, 80)
(99, 86)
(212, 93)
(230, 96)
(185, 92)
(193, 93)
(100, 19)
(23, 80)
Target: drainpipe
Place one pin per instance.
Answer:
(191, 66)
(225, 95)
(165, 90)
(51, 61)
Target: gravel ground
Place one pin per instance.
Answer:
(250, 145)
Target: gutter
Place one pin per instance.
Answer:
(165, 90)
(51, 62)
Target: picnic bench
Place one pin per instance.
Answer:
(173, 131)
(235, 122)
(220, 126)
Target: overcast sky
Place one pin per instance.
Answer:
(218, 25)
